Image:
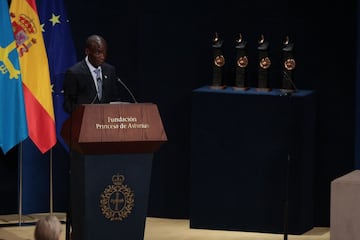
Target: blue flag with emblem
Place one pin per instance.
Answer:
(60, 51)
(13, 124)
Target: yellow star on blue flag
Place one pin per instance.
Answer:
(60, 51)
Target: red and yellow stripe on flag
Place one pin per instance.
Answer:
(35, 73)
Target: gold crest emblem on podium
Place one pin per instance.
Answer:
(117, 200)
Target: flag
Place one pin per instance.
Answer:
(60, 51)
(35, 73)
(13, 126)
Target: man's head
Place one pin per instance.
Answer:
(96, 50)
(48, 228)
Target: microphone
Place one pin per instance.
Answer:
(285, 92)
(94, 99)
(127, 89)
(288, 78)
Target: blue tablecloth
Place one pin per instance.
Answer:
(244, 144)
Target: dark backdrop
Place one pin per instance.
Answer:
(162, 50)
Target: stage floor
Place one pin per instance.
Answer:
(156, 229)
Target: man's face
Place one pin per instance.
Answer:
(97, 54)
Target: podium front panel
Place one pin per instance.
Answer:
(109, 195)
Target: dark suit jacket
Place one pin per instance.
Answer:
(79, 86)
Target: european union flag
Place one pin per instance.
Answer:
(13, 124)
(60, 51)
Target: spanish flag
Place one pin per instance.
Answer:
(35, 73)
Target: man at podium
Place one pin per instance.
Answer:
(91, 80)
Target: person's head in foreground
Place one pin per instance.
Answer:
(48, 228)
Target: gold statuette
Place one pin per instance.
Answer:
(265, 63)
(242, 61)
(289, 64)
(219, 61)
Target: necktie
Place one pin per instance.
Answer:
(99, 82)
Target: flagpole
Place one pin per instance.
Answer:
(51, 182)
(20, 185)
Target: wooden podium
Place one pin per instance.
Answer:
(111, 149)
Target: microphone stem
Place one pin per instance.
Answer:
(94, 99)
(128, 90)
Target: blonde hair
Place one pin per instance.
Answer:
(48, 228)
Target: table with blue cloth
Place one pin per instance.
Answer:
(252, 155)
